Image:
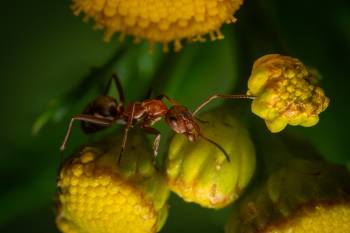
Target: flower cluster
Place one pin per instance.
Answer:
(160, 20)
(286, 92)
(96, 194)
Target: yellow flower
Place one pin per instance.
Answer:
(303, 196)
(97, 196)
(286, 92)
(199, 172)
(160, 20)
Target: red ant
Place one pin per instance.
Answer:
(105, 111)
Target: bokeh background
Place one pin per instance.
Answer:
(46, 52)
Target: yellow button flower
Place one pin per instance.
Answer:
(199, 172)
(286, 92)
(97, 196)
(304, 196)
(160, 20)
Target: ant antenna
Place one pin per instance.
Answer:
(217, 146)
(224, 96)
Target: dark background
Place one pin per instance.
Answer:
(46, 51)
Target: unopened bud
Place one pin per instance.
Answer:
(199, 172)
(286, 92)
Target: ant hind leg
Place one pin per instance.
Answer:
(119, 88)
(84, 118)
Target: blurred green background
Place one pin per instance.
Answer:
(46, 52)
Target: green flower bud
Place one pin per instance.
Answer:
(199, 172)
(98, 195)
(286, 92)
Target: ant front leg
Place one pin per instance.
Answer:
(126, 130)
(223, 96)
(84, 118)
(155, 142)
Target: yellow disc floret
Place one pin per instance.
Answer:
(304, 196)
(159, 20)
(96, 196)
(199, 172)
(321, 218)
(286, 92)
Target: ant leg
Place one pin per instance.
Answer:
(85, 118)
(217, 146)
(155, 142)
(224, 96)
(119, 88)
(126, 130)
(171, 100)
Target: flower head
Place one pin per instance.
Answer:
(302, 196)
(199, 172)
(160, 20)
(286, 92)
(98, 196)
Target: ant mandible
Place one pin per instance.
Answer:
(105, 111)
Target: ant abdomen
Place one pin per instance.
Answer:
(104, 107)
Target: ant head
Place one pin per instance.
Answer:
(181, 121)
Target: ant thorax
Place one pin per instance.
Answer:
(151, 111)
(155, 108)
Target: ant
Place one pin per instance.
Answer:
(105, 111)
